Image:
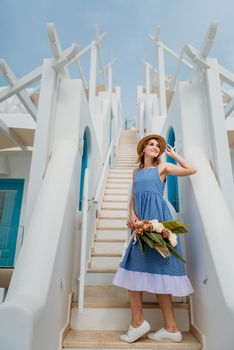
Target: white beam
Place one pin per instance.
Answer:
(171, 52)
(77, 63)
(225, 75)
(22, 95)
(67, 56)
(88, 48)
(16, 150)
(21, 84)
(113, 60)
(100, 54)
(209, 40)
(93, 76)
(110, 78)
(229, 108)
(196, 57)
(147, 78)
(55, 46)
(161, 80)
(11, 135)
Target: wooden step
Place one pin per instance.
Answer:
(110, 340)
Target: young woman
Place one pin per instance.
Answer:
(151, 272)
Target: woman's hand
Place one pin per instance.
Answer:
(169, 150)
(134, 218)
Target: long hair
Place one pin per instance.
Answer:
(141, 156)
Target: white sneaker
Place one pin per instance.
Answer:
(135, 333)
(163, 334)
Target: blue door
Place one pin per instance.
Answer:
(11, 193)
(84, 164)
(172, 181)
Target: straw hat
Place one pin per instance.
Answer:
(160, 139)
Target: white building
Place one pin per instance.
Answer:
(65, 168)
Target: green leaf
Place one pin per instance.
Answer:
(175, 253)
(156, 237)
(175, 226)
(148, 241)
(142, 246)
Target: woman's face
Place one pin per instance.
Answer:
(152, 149)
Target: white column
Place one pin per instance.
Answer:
(110, 78)
(42, 138)
(147, 78)
(93, 74)
(161, 78)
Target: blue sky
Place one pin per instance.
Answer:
(24, 42)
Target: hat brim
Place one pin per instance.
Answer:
(160, 139)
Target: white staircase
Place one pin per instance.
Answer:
(107, 311)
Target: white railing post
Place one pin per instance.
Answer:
(85, 209)
(93, 72)
(161, 78)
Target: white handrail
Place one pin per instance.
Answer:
(83, 241)
(217, 220)
(102, 177)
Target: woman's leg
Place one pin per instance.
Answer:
(136, 306)
(166, 306)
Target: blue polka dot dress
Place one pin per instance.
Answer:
(150, 271)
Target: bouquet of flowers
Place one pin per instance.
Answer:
(161, 236)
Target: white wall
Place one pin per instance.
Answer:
(212, 311)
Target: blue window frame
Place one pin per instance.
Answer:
(11, 193)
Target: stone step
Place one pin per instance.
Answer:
(132, 159)
(111, 234)
(118, 191)
(115, 198)
(119, 318)
(105, 261)
(119, 224)
(118, 171)
(107, 247)
(119, 180)
(113, 214)
(110, 340)
(120, 176)
(114, 205)
(126, 166)
(113, 296)
(117, 185)
(95, 277)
